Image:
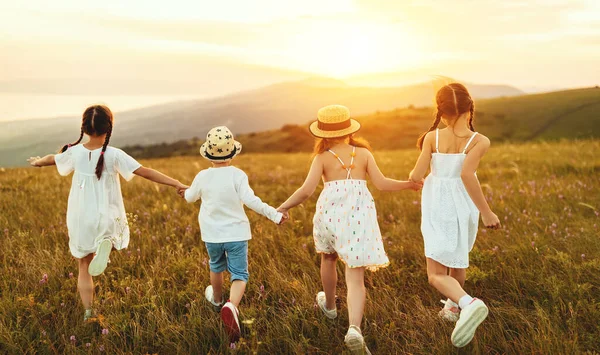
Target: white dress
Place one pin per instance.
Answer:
(449, 217)
(95, 210)
(346, 223)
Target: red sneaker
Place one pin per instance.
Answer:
(229, 315)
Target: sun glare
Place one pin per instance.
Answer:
(345, 49)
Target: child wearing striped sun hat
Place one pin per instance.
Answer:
(345, 223)
(224, 226)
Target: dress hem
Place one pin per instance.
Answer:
(445, 264)
(370, 267)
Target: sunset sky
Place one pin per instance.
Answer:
(543, 43)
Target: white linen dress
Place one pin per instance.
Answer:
(449, 218)
(95, 210)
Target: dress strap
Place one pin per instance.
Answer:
(469, 142)
(437, 139)
(348, 169)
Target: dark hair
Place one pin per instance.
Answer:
(324, 144)
(96, 121)
(452, 101)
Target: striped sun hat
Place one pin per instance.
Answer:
(333, 121)
(220, 145)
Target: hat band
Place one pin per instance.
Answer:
(229, 156)
(334, 126)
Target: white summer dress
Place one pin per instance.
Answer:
(346, 222)
(95, 211)
(449, 217)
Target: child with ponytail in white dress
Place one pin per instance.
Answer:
(96, 218)
(451, 202)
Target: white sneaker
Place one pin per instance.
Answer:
(355, 341)
(321, 301)
(210, 297)
(89, 313)
(230, 316)
(100, 260)
(450, 312)
(470, 318)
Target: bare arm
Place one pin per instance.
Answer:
(472, 185)
(420, 169)
(383, 183)
(39, 162)
(308, 187)
(158, 177)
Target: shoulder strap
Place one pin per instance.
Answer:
(437, 139)
(349, 176)
(342, 162)
(469, 142)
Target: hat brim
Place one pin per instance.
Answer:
(205, 155)
(319, 133)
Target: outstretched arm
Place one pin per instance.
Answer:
(420, 169)
(307, 188)
(249, 199)
(158, 177)
(39, 162)
(383, 183)
(472, 185)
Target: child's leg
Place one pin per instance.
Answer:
(237, 264)
(329, 278)
(216, 281)
(446, 284)
(355, 282)
(459, 275)
(85, 283)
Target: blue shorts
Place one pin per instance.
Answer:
(232, 256)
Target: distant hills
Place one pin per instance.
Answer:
(267, 108)
(571, 114)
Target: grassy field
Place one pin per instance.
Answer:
(540, 274)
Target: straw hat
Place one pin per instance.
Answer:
(220, 145)
(333, 121)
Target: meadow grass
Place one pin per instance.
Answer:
(540, 274)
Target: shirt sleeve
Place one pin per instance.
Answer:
(249, 199)
(126, 165)
(194, 193)
(64, 162)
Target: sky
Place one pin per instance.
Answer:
(181, 47)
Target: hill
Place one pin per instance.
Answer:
(539, 274)
(257, 110)
(571, 114)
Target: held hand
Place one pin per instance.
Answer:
(490, 220)
(415, 186)
(285, 218)
(33, 161)
(181, 189)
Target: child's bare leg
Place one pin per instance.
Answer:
(446, 284)
(216, 281)
(85, 283)
(459, 275)
(329, 278)
(238, 287)
(355, 282)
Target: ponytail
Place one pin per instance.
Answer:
(434, 125)
(100, 164)
(67, 146)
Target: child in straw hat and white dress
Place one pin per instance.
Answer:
(224, 226)
(345, 222)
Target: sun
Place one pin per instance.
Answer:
(347, 49)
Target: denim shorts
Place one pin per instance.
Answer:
(232, 256)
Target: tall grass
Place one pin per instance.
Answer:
(540, 274)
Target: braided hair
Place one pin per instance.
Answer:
(452, 101)
(96, 121)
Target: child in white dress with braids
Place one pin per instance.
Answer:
(451, 202)
(345, 223)
(96, 218)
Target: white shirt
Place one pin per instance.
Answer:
(224, 192)
(95, 210)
